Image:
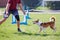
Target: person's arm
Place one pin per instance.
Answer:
(20, 5)
(7, 8)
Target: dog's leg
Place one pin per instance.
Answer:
(44, 30)
(40, 29)
(54, 28)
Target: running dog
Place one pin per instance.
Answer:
(44, 25)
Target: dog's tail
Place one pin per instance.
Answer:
(52, 19)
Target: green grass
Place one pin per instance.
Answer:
(9, 31)
(2, 9)
(42, 8)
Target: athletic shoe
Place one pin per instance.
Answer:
(19, 30)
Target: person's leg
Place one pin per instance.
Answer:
(3, 20)
(18, 22)
(5, 17)
(15, 13)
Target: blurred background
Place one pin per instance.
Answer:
(37, 4)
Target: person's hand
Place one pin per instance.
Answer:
(6, 14)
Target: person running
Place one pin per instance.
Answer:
(11, 8)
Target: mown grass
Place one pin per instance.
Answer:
(42, 8)
(9, 31)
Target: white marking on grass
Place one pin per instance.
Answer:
(46, 12)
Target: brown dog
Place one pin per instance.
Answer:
(44, 25)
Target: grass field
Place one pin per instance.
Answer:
(9, 31)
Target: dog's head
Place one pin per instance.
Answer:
(36, 21)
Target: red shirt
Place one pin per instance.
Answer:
(13, 4)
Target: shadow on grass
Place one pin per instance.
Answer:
(4, 34)
(24, 33)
